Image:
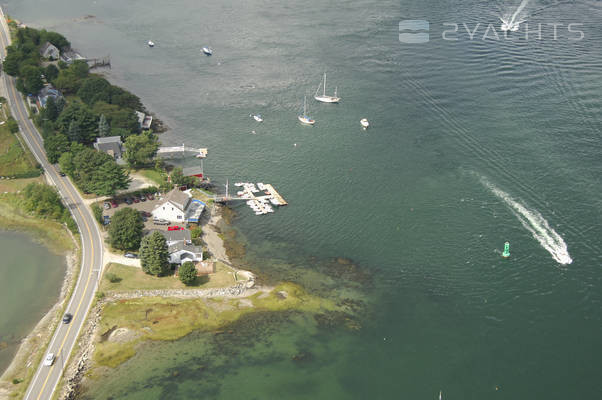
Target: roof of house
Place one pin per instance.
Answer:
(174, 236)
(182, 246)
(178, 198)
(110, 143)
(47, 46)
(192, 171)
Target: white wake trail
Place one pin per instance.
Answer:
(535, 223)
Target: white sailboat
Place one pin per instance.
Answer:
(364, 122)
(304, 118)
(151, 43)
(207, 50)
(440, 395)
(324, 98)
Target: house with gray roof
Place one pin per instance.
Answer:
(111, 145)
(50, 51)
(173, 237)
(181, 252)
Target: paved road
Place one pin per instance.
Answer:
(46, 378)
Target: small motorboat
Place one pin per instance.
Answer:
(364, 122)
(207, 51)
(151, 43)
(257, 117)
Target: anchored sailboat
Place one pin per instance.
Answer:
(324, 98)
(304, 118)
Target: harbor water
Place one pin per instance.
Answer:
(473, 141)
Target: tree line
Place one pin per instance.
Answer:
(95, 109)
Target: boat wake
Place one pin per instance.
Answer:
(535, 223)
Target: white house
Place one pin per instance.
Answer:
(174, 207)
(179, 207)
(173, 237)
(180, 252)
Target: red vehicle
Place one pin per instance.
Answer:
(150, 196)
(175, 228)
(114, 203)
(135, 199)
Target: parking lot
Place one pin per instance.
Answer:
(146, 205)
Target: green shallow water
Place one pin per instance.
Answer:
(30, 285)
(472, 143)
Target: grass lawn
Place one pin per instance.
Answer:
(133, 278)
(14, 159)
(153, 175)
(203, 195)
(14, 185)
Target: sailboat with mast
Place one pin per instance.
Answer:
(304, 118)
(323, 97)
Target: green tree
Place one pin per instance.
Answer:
(93, 89)
(31, 78)
(51, 111)
(154, 257)
(85, 118)
(51, 72)
(97, 211)
(125, 231)
(187, 273)
(74, 133)
(55, 38)
(67, 81)
(141, 149)
(178, 178)
(55, 146)
(79, 68)
(43, 200)
(13, 125)
(104, 129)
(66, 163)
(12, 61)
(109, 178)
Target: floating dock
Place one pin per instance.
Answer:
(260, 203)
(275, 194)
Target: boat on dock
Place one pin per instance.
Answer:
(324, 98)
(304, 118)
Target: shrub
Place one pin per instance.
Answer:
(187, 273)
(113, 278)
(97, 211)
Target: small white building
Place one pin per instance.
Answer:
(180, 252)
(174, 207)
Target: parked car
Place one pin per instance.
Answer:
(61, 173)
(67, 318)
(161, 222)
(106, 220)
(142, 198)
(136, 200)
(128, 200)
(146, 214)
(131, 255)
(175, 228)
(150, 196)
(114, 203)
(107, 205)
(49, 359)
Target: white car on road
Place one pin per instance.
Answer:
(49, 359)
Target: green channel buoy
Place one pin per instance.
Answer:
(506, 252)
